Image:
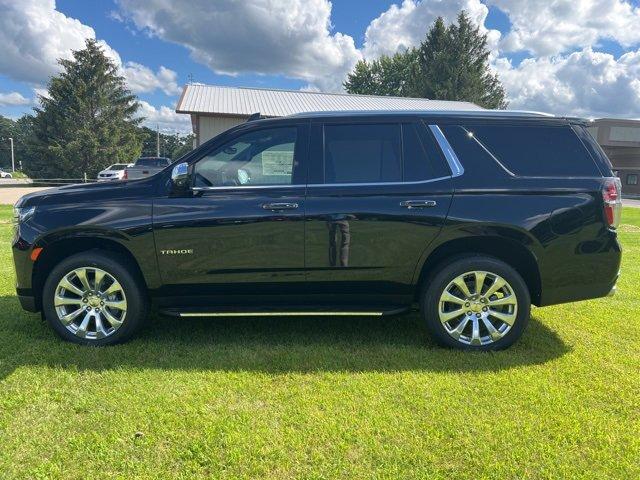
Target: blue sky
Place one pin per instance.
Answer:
(563, 56)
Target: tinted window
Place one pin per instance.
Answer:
(259, 157)
(423, 159)
(362, 153)
(536, 150)
(118, 166)
(472, 156)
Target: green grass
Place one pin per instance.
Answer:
(325, 397)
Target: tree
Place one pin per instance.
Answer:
(86, 121)
(451, 63)
(172, 146)
(384, 76)
(17, 130)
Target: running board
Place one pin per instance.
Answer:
(341, 312)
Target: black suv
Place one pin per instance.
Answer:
(470, 216)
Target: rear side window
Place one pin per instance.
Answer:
(362, 153)
(535, 151)
(423, 159)
(381, 153)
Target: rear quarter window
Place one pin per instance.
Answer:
(536, 151)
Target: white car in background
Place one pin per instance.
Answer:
(114, 172)
(4, 174)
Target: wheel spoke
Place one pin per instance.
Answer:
(497, 284)
(81, 273)
(456, 332)
(70, 317)
(460, 283)
(113, 288)
(508, 318)
(67, 285)
(119, 304)
(480, 276)
(98, 280)
(115, 323)
(493, 333)
(475, 332)
(100, 330)
(60, 301)
(447, 316)
(509, 300)
(449, 297)
(82, 328)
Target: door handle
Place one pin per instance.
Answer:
(279, 206)
(418, 203)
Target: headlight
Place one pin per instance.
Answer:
(21, 214)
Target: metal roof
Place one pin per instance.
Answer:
(240, 101)
(437, 113)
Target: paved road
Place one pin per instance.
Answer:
(627, 202)
(10, 195)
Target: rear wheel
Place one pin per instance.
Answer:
(476, 303)
(91, 298)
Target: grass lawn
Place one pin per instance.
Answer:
(325, 397)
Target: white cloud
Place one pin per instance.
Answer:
(34, 35)
(13, 99)
(166, 118)
(545, 27)
(142, 79)
(287, 37)
(584, 83)
(404, 26)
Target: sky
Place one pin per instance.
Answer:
(567, 57)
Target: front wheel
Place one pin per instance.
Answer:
(476, 303)
(92, 298)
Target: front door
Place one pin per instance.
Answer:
(241, 229)
(378, 195)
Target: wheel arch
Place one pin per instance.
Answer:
(507, 250)
(56, 251)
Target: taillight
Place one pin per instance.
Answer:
(125, 176)
(612, 196)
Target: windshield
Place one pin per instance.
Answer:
(152, 162)
(118, 166)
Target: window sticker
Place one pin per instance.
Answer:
(277, 162)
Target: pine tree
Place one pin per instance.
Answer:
(86, 121)
(451, 63)
(454, 65)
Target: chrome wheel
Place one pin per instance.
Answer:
(478, 308)
(90, 303)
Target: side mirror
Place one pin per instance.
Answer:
(180, 176)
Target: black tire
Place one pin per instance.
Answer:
(440, 279)
(114, 265)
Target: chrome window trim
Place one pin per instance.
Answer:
(377, 184)
(247, 187)
(452, 159)
(365, 184)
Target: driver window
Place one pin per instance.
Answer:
(261, 157)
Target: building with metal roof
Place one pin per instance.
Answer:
(214, 109)
(620, 139)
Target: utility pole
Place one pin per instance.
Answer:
(158, 140)
(13, 160)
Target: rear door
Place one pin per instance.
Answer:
(378, 195)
